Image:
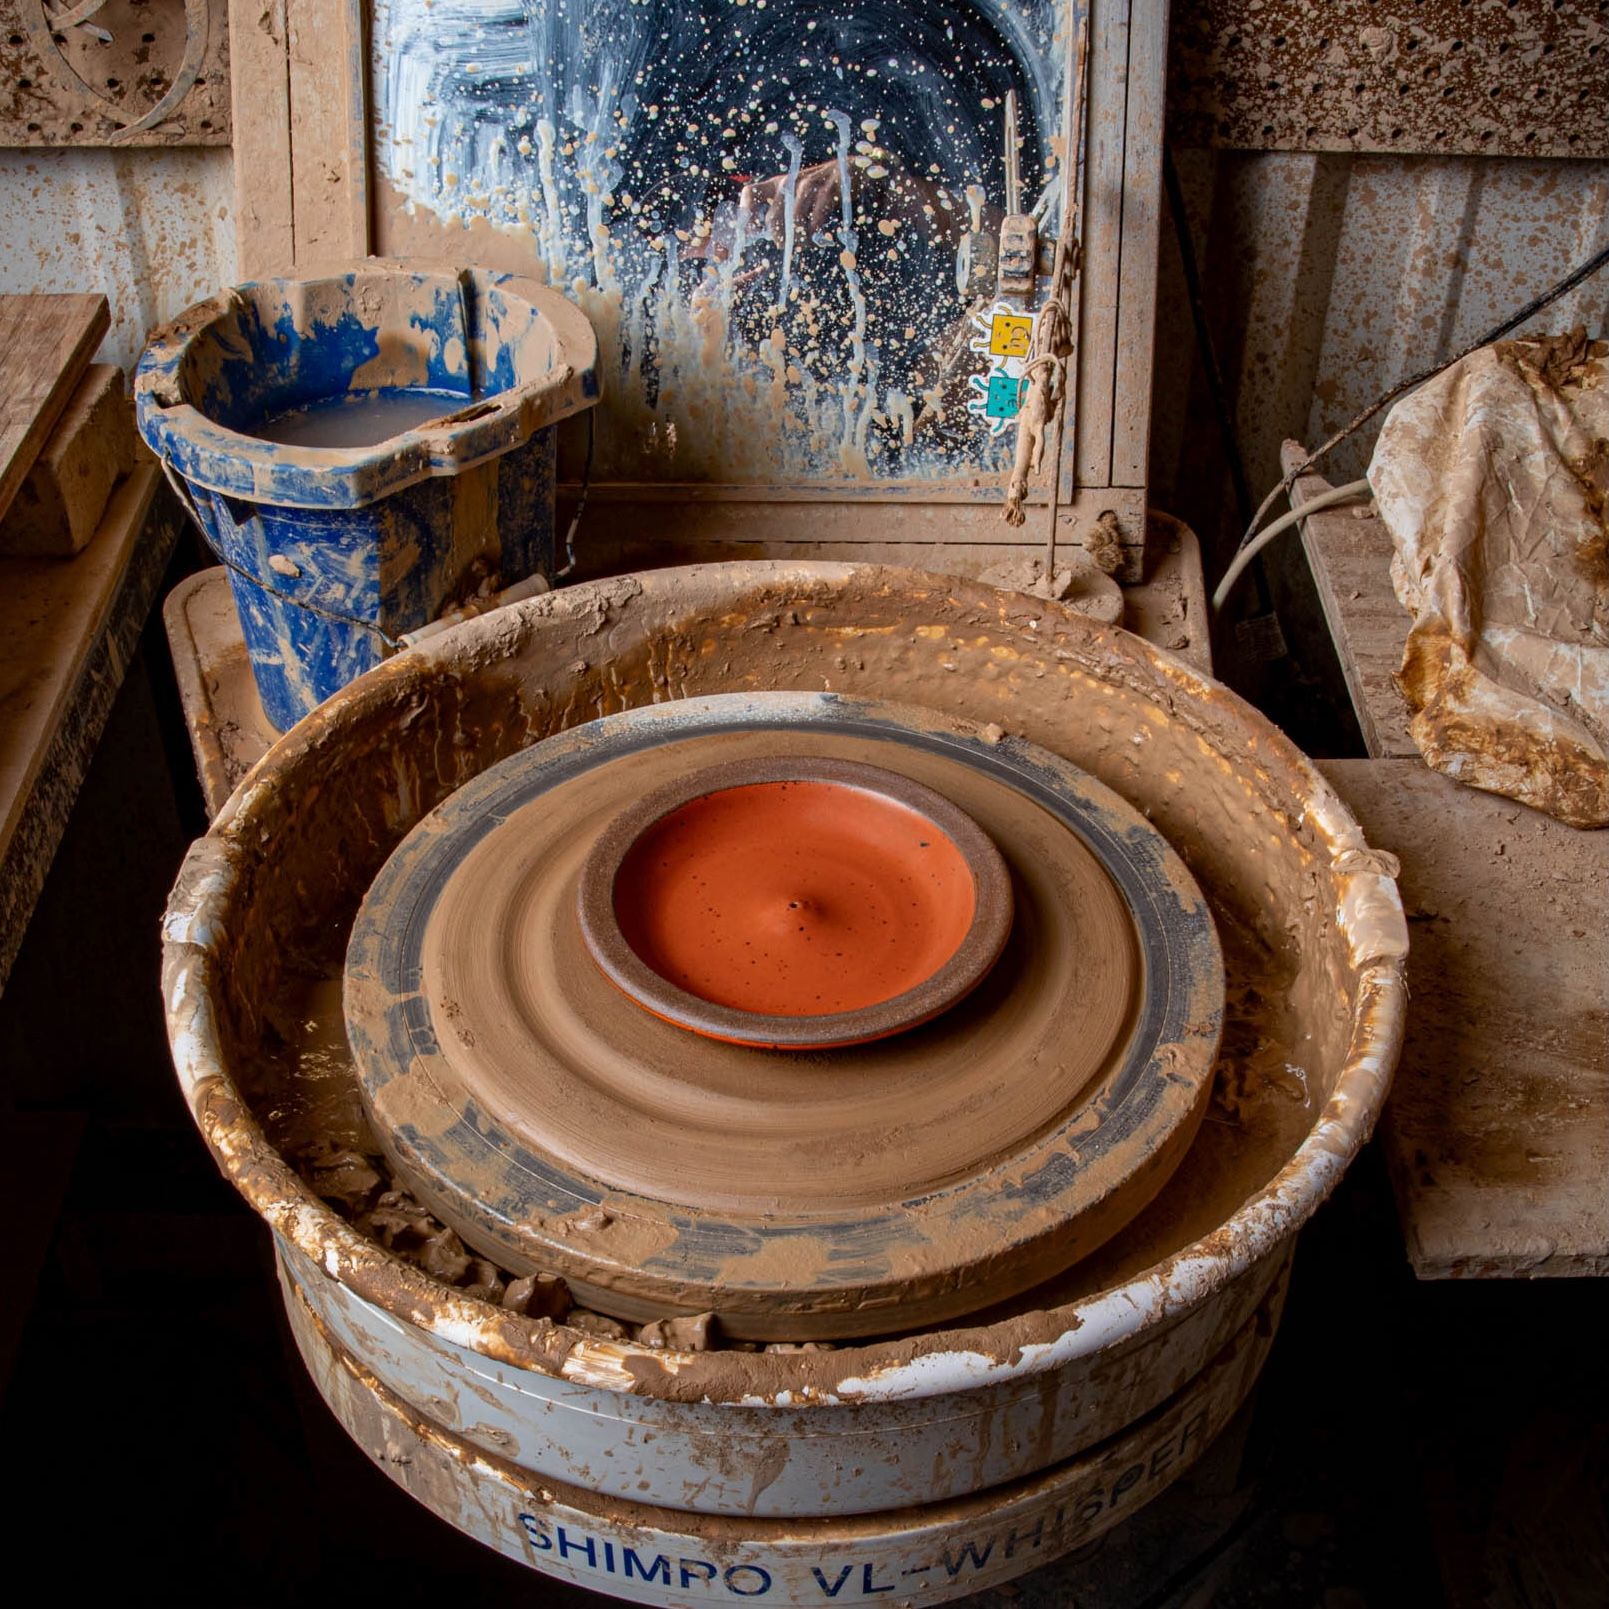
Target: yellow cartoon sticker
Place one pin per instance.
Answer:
(1009, 335)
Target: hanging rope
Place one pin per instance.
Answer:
(335, 617)
(1046, 373)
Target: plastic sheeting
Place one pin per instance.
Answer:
(1492, 480)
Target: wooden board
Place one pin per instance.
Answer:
(329, 129)
(1107, 449)
(1497, 1131)
(68, 628)
(301, 157)
(1350, 558)
(46, 343)
(58, 508)
(1142, 223)
(1089, 442)
(259, 66)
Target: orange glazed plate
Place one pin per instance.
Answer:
(795, 904)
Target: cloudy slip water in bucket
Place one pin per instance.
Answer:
(359, 418)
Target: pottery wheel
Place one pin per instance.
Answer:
(559, 1127)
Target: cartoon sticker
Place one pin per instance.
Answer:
(999, 398)
(1005, 337)
(1010, 335)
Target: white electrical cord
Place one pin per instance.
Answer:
(533, 586)
(1338, 494)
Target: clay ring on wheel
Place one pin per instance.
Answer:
(559, 1127)
(794, 903)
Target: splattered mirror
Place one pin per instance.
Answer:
(784, 218)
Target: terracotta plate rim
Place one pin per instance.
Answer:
(951, 982)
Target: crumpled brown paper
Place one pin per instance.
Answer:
(1492, 480)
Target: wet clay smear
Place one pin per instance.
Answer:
(306, 1096)
(305, 1093)
(1307, 917)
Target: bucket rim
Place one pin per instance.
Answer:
(1368, 915)
(235, 464)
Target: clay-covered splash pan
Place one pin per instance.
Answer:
(794, 1462)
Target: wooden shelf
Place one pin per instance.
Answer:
(1497, 1131)
(68, 628)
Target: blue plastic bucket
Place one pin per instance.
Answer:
(365, 450)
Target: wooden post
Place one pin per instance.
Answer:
(300, 86)
(1105, 459)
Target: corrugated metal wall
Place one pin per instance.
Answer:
(1329, 277)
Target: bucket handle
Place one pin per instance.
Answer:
(181, 490)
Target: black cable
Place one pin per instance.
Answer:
(334, 616)
(581, 500)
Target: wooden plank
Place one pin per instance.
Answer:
(1137, 264)
(54, 610)
(329, 130)
(624, 552)
(891, 494)
(68, 628)
(1061, 448)
(1497, 1131)
(1350, 558)
(301, 157)
(1102, 241)
(642, 515)
(46, 343)
(59, 505)
(259, 71)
